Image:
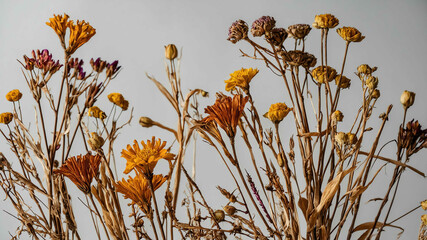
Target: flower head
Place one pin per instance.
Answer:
(81, 170)
(350, 34)
(238, 31)
(98, 65)
(226, 112)
(96, 112)
(6, 117)
(118, 100)
(299, 58)
(112, 69)
(277, 112)
(42, 60)
(343, 81)
(337, 116)
(95, 141)
(424, 219)
(240, 78)
(413, 138)
(299, 31)
(171, 52)
(59, 24)
(407, 99)
(145, 159)
(424, 204)
(365, 69)
(372, 82)
(80, 33)
(277, 36)
(14, 95)
(341, 138)
(325, 21)
(323, 74)
(138, 190)
(262, 25)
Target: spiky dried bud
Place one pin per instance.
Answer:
(230, 210)
(219, 215)
(407, 99)
(238, 31)
(262, 25)
(146, 122)
(171, 52)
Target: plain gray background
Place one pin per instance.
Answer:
(134, 32)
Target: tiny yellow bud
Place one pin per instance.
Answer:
(407, 99)
(171, 52)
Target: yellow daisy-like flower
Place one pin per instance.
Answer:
(59, 24)
(119, 100)
(277, 112)
(323, 74)
(350, 34)
(424, 204)
(138, 190)
(80, 33)
(240, 78)
(96, 112)
(145, 159)
(325, 21)
(14, 95)
(6, 117)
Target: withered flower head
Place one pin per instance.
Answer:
(230, 210)
(407, 99)
(238, 31)
(372, 82)
(299, 58)
(376, 94)
(171, 52)
(6, 117)
(138, 190)
(424, 219)
(81, 170)
(80, 33)
(350, 34)
(146, 122)
(413, 138)
(262, 25)
(338, 116)
(365, 69)
(351, 138)
(226, 112)
(277, 36)
(145, 159)
(219, 215)
(43, 61)
(299, 31)
(118, 100)
(96, 112)
(343, 81)
(325, 21)
(113, 69)
(240, 78)
(14, 95)
(77, 66)
(98, 65)
(341, 138)
(95, 141)
(277, 112)
(59, 24)
(324, 74)
(424, 204)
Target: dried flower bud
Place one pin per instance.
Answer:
(296, 58)
(351, 138)
(376, 94)
(277, 112)
(14, 95)
(277, 36)
(323, 74)
(365, 69)
(424, 219)
(96, 112)
(112, 69)
(219, 215)
(280, 160)
(238, 31)
(98, 65)
(146, 122)
(119, 100)
(262, 25)
(372, 82)
(298, 31)
(340, 138)
(95, 141)
(424, 204)
(407, 99)
(325, 21)
(171, 52)
(204, 93)
(344, 82)
(338, 116)
(6, 117)
(350, 34)
(230, 210)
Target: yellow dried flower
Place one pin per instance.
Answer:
(325, 21)
(345, 82)
(80, 33)
(424, 219)
(59, 24)
(95, 112)
(350, 34)
(118, 100)
(14, 95)
(240, 78)
(338, 116)
(6, 117)
(407, 99)
(372, 82)
(95, 142)
(171, 52)
(424, 204)
(277, 112)
(319, 74)
(365, 69)
(341, 138)
(351, 138)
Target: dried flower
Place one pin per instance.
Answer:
(365, 69)
(413, 138)
(96, 112)
(341, 138)
(376, 94)
(372, 82)
(146, 122)
(145, 159)
(299, 58)
(98, 65)
(219, 215)
(240, 78)
(77, 65)
(118, 100)
(6, 117)
(81, 170)
(350, 34)
(80, 33)
(351, 138)
(424, 204)
(407, 99)
(277, 112)
(95, 141)
(171, 52)
(344, 83)
(238, 31)
(424, 219)
(43, 61)
(230, 210)
(324, 73)
(113, 69)
(298, 31)
(262, 25)
(226, 112)
(59, 24)
(138, 190)
(14, 95)
(338, 116)
(277, 36)
(325, 21)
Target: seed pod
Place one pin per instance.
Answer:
(146, 122)
(376, 94)
(280, 160)
(171, 52)
(230, 210)
(219, 215)
(407, 99)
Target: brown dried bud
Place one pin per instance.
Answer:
(280, 160)
(344, 82)
(299, 31)
(277, 36)
(171, 52)
(204, 93)
(376, 94)
(407, 99)
(219, 215)
(230, 210)
(341, 138)
(146, 122)
(351, 138)
(338, 116)
(365, 69)
(372, 82)
(95, 142)
(238, 31)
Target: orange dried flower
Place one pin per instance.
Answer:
(80, 33)
(240, 78)
(226, 112)
(6, 117)
(325, 21)
(81, 170)
(118, 100)
(277, 112)
(145, 159)
(350, 34)
(59, 24)
(14, 95)
(96, 112)
(324, 73)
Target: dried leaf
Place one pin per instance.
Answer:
(165, 92)
(303, 205)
